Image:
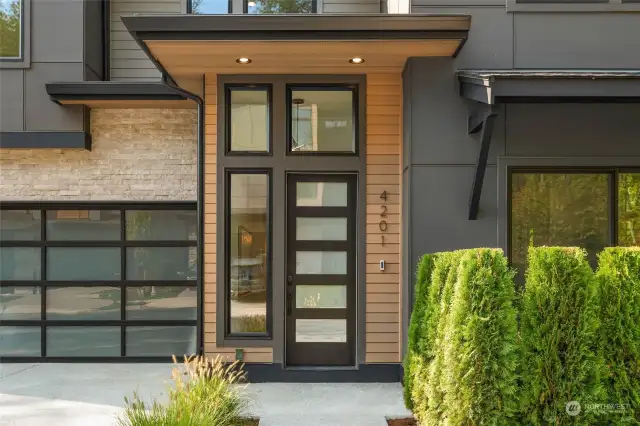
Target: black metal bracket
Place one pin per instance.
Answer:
(483, 119)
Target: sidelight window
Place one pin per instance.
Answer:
(248, 247)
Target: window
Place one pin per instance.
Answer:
(629, 209)
(98, 281)
(248, 115)
(322, 120)
(11, 43)
(573, 208)
(259, 7)
(248, 262)
(209, 7)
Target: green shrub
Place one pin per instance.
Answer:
(619, 289)
(206, 397)
(558, 330)
(423, 283)
(426, 393)
(478, 376)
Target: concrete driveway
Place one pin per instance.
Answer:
(93, 394)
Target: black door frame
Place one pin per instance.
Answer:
(321, 354)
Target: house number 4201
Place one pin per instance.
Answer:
(383, 223)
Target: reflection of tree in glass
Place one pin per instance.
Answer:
(629, 209)
(10, 28)
(282, 6)
(559, 209)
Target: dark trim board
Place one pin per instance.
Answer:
(51, 140)
(303, 26)
(492, 87)
(85, 90)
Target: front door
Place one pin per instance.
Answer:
(321, 269)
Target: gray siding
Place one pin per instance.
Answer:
(56, 55)
(441, 163)
(502, 40)
(128, 62)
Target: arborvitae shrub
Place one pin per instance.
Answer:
(428, 396)
(423, 283)
(480, 350)
(619, 295)
(558, 331)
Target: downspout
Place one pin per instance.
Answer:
(199, 205)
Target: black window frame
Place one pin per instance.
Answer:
(256, 337)
(314, 8)
(23, 60)
(228, 88)
(122, 284)
(612, 172)
(355, 117)
(191, 12)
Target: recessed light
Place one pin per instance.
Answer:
(243, 61)
(356, 60)
(251, 4)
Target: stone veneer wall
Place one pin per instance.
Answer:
(137, 154)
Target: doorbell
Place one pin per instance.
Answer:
(382, 265)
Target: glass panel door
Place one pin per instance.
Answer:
(321, 269)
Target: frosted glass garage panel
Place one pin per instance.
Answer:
(321, 228)
(321, 297)
(321, 262)
(321, 194)
(321, 330)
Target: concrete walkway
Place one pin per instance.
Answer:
(93, 394)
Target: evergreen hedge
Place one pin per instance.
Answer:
(619, 287)
(423, 283)
(480, 348)
(558, 330)
(429, 396)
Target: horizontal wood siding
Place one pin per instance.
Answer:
(128, 61)
(383, 173)
(210, 249)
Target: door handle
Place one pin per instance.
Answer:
(289, 295)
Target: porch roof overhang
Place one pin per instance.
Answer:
(316, 44)
(113, 94)
(493, 87)
(490, 88)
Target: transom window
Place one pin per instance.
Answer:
(322, 119)
(99, 281)
(585, 208)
